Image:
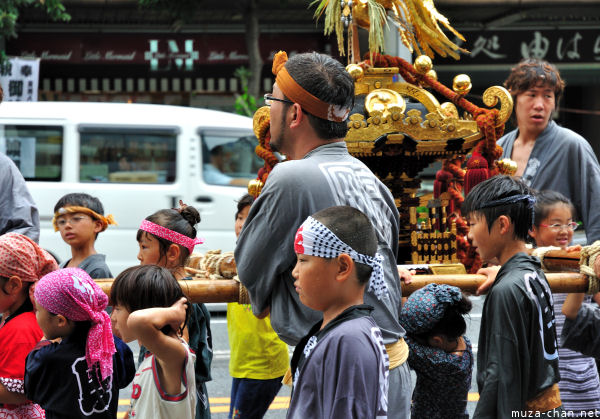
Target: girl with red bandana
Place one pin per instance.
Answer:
(22, 263)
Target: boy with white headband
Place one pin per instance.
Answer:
(340, 369)
(80, 218)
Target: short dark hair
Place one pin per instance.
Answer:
(532, 72)
(245, 201)
(353, 228)
(217, 151)
(545, 200)
(182, 221)
(494, 189)
(453, 324)
(146, 286)
(80, 200)
(328, 80)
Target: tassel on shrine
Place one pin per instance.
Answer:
(477, 171)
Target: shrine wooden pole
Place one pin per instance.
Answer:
(204, 290)
(228, 290)
(198, 290)
(561, 261)
(559, 282)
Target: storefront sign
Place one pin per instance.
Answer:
(511, 46)
(19, 79)
(182, 52)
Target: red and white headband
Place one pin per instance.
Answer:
(315, 239)
(172, 236)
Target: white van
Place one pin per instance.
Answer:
(136, 159)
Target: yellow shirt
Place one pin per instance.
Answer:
(256, 351)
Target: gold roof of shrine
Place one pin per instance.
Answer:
(439, 129)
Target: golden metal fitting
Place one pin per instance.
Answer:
(254, 187)
(449, 109)
(356, 71)
(423, 64)
(383, 100)
(462, 84)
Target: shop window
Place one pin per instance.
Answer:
(127, 155)
(229, 159)
(36, 150)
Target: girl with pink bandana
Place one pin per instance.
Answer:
(79, 370)
(167, 238)
(22, 263)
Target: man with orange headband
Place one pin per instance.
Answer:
(310, 103)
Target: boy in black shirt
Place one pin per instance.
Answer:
(517, 360)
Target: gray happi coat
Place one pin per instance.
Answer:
(563, 161)
(18, 212)
(327, 176)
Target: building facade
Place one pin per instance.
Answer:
(113, 50)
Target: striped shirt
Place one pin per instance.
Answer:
(579, 384)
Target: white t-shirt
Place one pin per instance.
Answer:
(150, 400)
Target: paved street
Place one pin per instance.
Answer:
(219, 388)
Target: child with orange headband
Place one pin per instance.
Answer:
(80, 218)
(22, 263)
(167, 238)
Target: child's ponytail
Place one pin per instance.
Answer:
(463, 306)
(191, 215)
(453, 324)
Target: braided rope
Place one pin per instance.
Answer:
(243, 297)
(540, 253)
(453, 166)
(211, 265)
(264, 151)
(587, 259)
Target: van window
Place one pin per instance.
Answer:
(36, 150)
(229, 159)
(125, 155)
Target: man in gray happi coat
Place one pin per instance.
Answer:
(18, 212)
(549, 156)
(319, 173)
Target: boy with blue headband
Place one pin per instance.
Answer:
(340, 369)
(517, 360)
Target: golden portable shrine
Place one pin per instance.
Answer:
(403, 121)
(398, 127)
